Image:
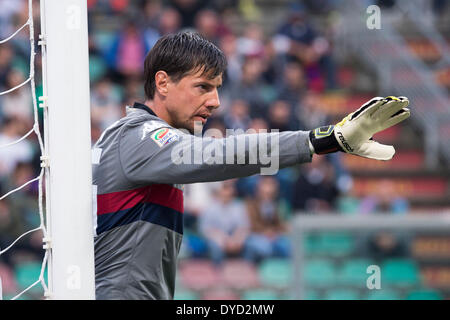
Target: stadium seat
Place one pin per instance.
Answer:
(22, 297)
(354, 272)
(198, 274)
(103, 40)
(277, 273)
(239, 274)
(336, 243)
(383, 294)
(312, 295)
(425, 295)
(260, 294)
(9, 284)
(97, 68)
(220, 294)
(341, 294)
(400, 272)
(319, 273)
(329, 243)
(185, 294)
(28, 273)
(311, 244)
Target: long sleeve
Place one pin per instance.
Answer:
(168, 155)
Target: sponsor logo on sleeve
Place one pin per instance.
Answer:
(164, 136)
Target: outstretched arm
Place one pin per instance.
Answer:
(168, 155)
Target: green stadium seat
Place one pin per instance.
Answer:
(319, 273)
(97, 68)
(22, 297)
(311, 244)
(309, 294)
(28, 273)
(277, 273)
(312, 295)
(354, 272)
(425, 295)
(185, 294)
(348, 205)
(383, 294)
(400, 272)
(334, 244)
(341, 294)
(104, 40)
(260, 294)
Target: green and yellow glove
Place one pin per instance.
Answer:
(354, 133)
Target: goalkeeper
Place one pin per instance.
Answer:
(138, 183)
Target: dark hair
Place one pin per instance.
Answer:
(181, 54)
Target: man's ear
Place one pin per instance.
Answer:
(161, 82)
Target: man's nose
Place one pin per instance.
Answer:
(213, 101)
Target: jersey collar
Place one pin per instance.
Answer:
(144, 107)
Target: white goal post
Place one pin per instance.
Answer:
(64, 44)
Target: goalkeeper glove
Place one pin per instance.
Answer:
(354, 133)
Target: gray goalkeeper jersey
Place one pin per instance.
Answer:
(140, 164)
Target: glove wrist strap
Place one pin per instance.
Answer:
(323, 140)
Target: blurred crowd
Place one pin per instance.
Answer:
(276, 74)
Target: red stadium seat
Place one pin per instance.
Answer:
(198, 274)
(9, 284)
(240, 274)
(220, 294)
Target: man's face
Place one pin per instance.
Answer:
(190, 101)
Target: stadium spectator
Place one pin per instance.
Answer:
(293, 84)
(18, 214)
(11, 130)
(6, 61)
(386, 244)
(281, 116)
(105, 103)
(208, 24)
(252, 86)
(128, 51)
(228, 44)
(238, 117)
(315, 188)
(8, 11)
(157, 24)
(188, 10)
(308, 111)
(307, 45)
(385, 198)
(151, 14)
(268, 230)
(17, 103)
(224, 224)
(251, 43)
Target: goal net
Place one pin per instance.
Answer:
(64, 180)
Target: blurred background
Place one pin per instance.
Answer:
(293, 65)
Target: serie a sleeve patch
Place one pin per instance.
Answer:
(164, 136)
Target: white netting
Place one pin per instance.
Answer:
(35, 129)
